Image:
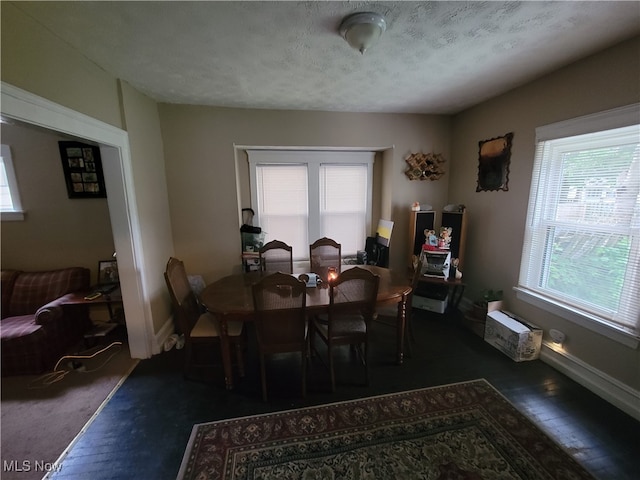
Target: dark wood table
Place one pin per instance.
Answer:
(108, 299)
(99, 330)
(230, 298)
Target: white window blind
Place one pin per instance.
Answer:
(10, 204)
(283, 203)
(582, 238)
(302, 195)
(343, 205)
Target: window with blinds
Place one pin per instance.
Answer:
(300, 196)
(10, 204)
(343, 205)
(582, 238)
(283, 207)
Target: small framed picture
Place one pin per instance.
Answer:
(82, 170)
(108, 272)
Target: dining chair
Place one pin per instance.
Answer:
(276, 256)
(279, 302)
(323, 254)
(352, 305)
(201, 329)
(388, 314)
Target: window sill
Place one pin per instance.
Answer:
(577, 317)
(14, 216)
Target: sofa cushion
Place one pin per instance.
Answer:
(26, 348)
(16, 327)
(31, 290)
(7, 280)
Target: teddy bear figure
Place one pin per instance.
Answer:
(430, 238)
(444, 241)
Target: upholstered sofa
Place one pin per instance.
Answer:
(37, 328)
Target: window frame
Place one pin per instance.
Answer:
(16, 213)
(313, 158)
(608, 120)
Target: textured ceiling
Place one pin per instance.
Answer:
(435, 57)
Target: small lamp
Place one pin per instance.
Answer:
(361, 30)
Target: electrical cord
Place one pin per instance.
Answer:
(57, 375)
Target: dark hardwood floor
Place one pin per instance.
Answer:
(143, 431)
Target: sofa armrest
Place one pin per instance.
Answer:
(49, 313)
(52, 311)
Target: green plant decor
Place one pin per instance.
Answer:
(491, 295)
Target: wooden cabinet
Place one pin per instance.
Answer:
(426, 220)
(458, 222)
(418, 223)
(433, 292)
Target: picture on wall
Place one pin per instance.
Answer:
(82, 168)
(108, 272)
(493, 163)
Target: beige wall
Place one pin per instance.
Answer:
(39, 62)
(57, 231)
(496, 219)
(147, 155)
(201, 177)
(201, 170)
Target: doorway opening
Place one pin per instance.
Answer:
(25, 107)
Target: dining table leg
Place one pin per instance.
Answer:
(225, 349)
(401, 325)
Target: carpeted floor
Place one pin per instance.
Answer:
(466, 431)
(41, 415)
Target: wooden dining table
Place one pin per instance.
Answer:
(230, 299)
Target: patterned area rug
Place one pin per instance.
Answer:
(464, 431)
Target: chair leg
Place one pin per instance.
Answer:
(263, 375)
(311, 339)
(408, 338)
(239, 354)
(331, 370)
(410, 326)
(304, 373)
(366, 362)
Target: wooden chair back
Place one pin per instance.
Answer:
(280, 320)
(323, 254)
(186, 308)
(279, 301)
(276, 256)
(354, 291)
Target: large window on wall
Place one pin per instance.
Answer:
(10, 204)
(301, 195)
(582, 239)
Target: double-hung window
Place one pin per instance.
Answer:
(10, 205)
(582, 240)
(302, 195)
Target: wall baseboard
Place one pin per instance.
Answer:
(162, 335)
(608, 388)
(613, 391)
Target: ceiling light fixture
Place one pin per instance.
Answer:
(361, 30)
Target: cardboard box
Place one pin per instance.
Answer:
(476, 318)
(516, 338)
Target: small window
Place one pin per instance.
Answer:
(582, 237)
(10, 205)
